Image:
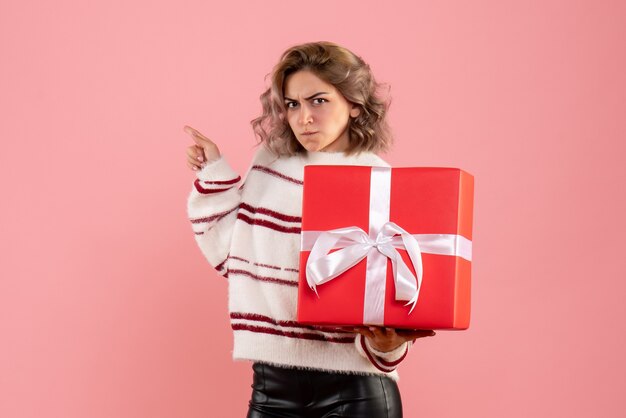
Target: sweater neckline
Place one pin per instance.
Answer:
(321, 157)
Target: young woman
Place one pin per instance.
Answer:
(322, 108)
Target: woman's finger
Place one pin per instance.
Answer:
(420, 333)
(188, 129)
(349, 329)
(192, 132)
(194, 165)
(197, 136)
(200, 141)
(365, 331)
(210, 149)
(195, 152)
(194, 160)
(389, 332)
(377, 331)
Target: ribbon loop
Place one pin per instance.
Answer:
(323, 266)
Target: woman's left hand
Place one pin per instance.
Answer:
(386, 339)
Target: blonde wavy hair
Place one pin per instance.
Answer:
(349, 74)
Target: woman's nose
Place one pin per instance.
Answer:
(306, 115)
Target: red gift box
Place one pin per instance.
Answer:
(386, 246)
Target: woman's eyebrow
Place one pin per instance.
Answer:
(310, 97)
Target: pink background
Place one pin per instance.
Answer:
(108, 308)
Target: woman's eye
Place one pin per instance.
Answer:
(288, 105)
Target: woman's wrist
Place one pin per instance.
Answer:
(382, 351)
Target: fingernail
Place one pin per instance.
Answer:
(199, 158)
(372, 328)
(194, 168)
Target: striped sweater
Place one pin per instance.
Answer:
(249, 231)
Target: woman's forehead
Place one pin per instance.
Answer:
(305, 84)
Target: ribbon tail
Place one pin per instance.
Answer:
(405, 282)
(412, 302)
(408, 286)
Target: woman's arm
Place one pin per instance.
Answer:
(214, 200)
(212, 209)
(384, 347)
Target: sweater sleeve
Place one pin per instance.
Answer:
(384, 361)
(212, 209)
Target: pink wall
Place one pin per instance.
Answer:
(107, 307)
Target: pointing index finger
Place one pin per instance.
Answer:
(195, 134)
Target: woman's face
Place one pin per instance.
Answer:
(317, 107)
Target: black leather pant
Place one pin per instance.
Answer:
(298, 393)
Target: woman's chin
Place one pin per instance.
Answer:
(311, 146)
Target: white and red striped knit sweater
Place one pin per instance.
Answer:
(251, 235)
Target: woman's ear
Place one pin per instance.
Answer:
(355, 111)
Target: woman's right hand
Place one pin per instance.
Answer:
(204, 150)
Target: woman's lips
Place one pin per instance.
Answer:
(309, 133)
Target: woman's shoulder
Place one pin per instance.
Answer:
(264, 160)
(263, 156)
(379, 161)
